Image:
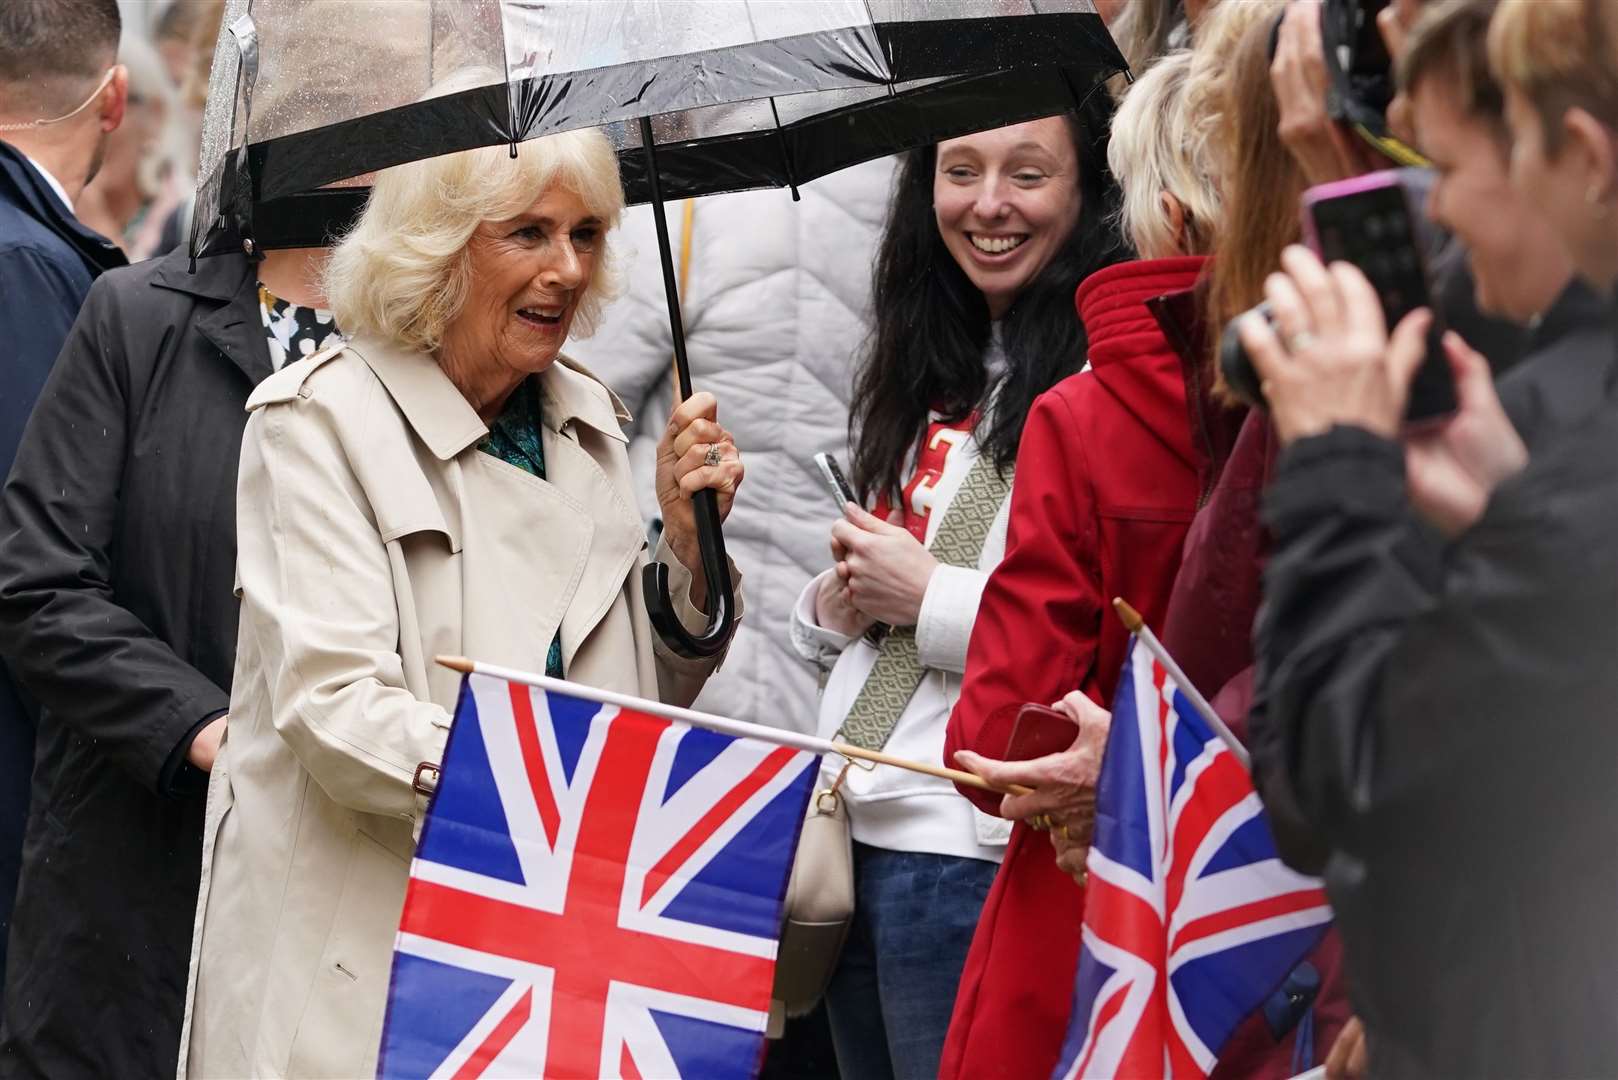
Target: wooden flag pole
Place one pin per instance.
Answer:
(959, 776)
(1137, 626)
(727, 726)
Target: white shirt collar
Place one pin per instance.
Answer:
(55, 184)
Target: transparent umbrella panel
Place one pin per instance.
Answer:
(309, 97)
(313, 95)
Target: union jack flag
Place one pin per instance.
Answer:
(1190, 921)
(596, 893)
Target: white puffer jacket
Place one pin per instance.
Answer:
(776, 308)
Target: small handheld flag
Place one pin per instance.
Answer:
(1191, 921)
(597, 892)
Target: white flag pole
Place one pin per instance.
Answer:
(1137, 626)
(723, 725)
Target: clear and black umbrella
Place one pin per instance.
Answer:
(698, 97)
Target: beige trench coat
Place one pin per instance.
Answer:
(373, 535)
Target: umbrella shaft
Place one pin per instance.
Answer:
(671, 287)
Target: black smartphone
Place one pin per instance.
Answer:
(1370, 221)
(835, 483)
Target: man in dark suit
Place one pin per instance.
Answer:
(61, 93)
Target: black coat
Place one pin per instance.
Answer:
(117, 613)
(47, 262)
(1434, 731)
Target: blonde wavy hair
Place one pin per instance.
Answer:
(403, 272)
(1560, 55)
(1158, 148)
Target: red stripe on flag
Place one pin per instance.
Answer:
(1165, 709)
(626, 1066)
(1120, 918)
(721, 812)
(1181, 1061)
(605, 949)
(1129, 923)
(498, 1039)
(1103, 1018)
(1221, 785)
(1244, 914)
(533, 760)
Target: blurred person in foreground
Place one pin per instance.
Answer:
(1519, 266)
(61, 94)
(1437, 712)
(987, 237)
(464, 488)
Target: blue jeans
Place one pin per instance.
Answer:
(891, 998)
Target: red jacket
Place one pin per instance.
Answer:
(1107, 484)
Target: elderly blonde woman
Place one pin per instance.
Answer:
(448, 482)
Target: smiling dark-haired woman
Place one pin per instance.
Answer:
(987, 237)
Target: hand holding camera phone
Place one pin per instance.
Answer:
(1373, 222)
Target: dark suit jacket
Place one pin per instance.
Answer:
(47, 262)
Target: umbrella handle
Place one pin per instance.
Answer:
(721, 596)
(705, 503)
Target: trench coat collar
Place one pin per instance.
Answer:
(446, 422)
(572, 393)
(236, 326)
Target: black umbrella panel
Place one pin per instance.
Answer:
(699, 98)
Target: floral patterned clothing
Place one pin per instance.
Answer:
(294, 331)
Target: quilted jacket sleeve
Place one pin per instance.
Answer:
(1047, 590)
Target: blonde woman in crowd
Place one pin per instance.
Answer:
(467, 490)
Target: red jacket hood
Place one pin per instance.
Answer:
(1128, 352)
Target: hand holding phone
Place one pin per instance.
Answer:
(1374, 223)
(841, 493)
(1039, 731)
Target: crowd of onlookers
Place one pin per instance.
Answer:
(1084, 357)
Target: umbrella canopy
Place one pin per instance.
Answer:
(699, 98)
(307, 94)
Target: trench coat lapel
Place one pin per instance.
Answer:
(524, 538)
(569, 540)
(579, 415)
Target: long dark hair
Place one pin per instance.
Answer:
(932, 324)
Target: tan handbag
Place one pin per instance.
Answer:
(819, 904)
